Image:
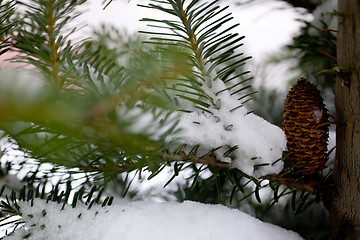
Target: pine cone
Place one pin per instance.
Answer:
(305, 122)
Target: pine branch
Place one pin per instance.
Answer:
(210, 48)
(77, 129)
(309, 185)
(41, 35)
(52, 44)
(6, 25)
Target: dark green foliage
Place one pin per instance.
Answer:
(268, 103)
(312, 224)
(315, 49)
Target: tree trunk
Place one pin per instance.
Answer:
(345, 204)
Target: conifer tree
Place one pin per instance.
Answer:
(88, 114)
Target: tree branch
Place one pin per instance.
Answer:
(313, 184)
(310, 185)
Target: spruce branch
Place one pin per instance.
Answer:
(41, 38)
(6, 25)
(199, 29)
(52, 44)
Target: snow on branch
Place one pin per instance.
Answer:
(210, 97)
(246, 141)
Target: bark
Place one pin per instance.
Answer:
(344, 205)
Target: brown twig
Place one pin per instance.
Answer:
(328, 30)
(310, 185)
(209, 160)
(328, 55)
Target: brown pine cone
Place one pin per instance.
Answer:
(305, 122)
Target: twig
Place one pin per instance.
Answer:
(310, 185)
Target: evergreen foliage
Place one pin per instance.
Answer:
(75, 106)
(6, 11)
(315, 49)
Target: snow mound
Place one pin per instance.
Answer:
(144, 220)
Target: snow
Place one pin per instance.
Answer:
(143, 220)
(258, 142)
(10, 182)
(318, 113)
(156, 123)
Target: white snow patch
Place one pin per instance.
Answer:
(155, 123)
(258, 141)
(331, 146)
(317, 115)
(144, 220)
(10, 182)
